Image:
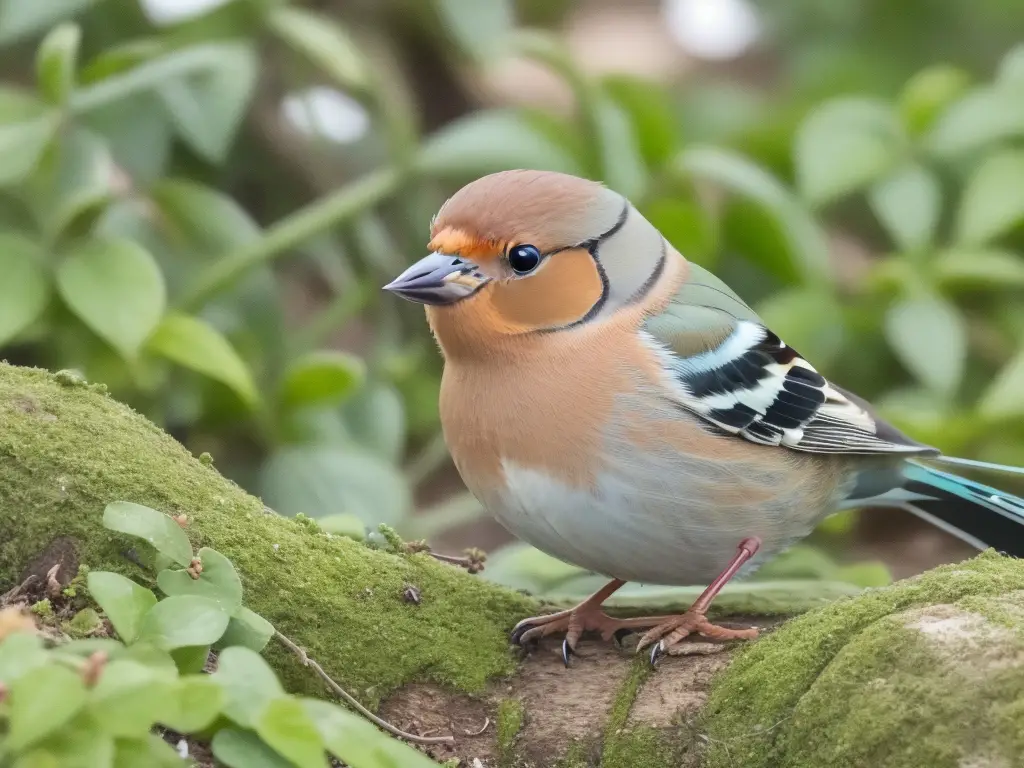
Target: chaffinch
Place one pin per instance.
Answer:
(621, 409)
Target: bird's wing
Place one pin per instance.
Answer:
(734, 372)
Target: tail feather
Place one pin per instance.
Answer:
(979, 513)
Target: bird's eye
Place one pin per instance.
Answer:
(523, 258)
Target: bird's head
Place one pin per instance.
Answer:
(521, 252)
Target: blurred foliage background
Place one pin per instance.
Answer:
(199, 200)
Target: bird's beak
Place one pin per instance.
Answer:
(438, 279)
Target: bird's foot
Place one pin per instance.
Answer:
(585, 617)
(666, 638)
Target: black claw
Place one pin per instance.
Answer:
(517, 636)
(567, 651)
(621, 634)
(656, 653)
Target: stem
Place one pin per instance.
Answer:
(306, 661)
(291, 231)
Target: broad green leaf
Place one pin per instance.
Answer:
(288, 730)
(77, 744)
(490, 141)
(983, 268)
(122, 600)
(321, 378)
(128, 698)
(207, 106)
(686, 226)
(56, 60)
(248, 683)
(138, 134)
(870, 574)
(193, 343)
(210, 220)
(982, 117)
(622, 165)
(651, 112)
(156, 528)
(218, 581)
(808, 319)
(192, 704)
(21, 18)
(40, 702)
(480, 27)
(325, 480)
(191, 659)
(928, 93)
(20, 653)
(148, 752)
(1003, 397)
(993, 200)
(26, 128)
(116, 288)
(25, 287)
(1011, 68)
(807, 246)
(843, 145)
(928, 335)
(244, 749)
(908, 203)
(323, 41)
(76, 177)
(247, 629)
(375, 418)
(356, 742)
(184, 620)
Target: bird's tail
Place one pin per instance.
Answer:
(965, 498)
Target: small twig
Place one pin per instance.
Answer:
(13, 594)
(306, 661)
(53, 587)
(473, 561)
(487, 722)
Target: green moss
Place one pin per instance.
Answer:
(848, 686)
(510, 722)
(575, 756)
(42, 609)
(67, 451)
(636, 747)
(83, 623)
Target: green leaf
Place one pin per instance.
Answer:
(56, 61)
(184, 620)
(843, 145)
(148, 752)
(75, 178)
(983, 268)
(218, 581)
(324, 480)
(248, 683)
(156, 528)
(928, 93)
(1011, 68)
(195, 344)
(807, 248)
(806, 318)
(480, 27)
(190, 659)
(209, 220)
(207, 106)
(375, 418)
(908, 204)
(993, 200)
(870, 574)
(686, 226)
(321, 378)
(984, 116)
(40, 702)
(138, 135)
(651, 111)
(247, 629)
(244, 749)
(128, 698)
(1003, 397)
(192, 704)
(26, 128)
(116, 288)
(78, 744)
(22, 18)
(20, 653)
(521, 566)
(122, 600)
(928, 335)
(25, 288)
(288, 730)
(622, 165)
(490, 141)
(324, 42)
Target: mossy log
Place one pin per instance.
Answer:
(928, 672)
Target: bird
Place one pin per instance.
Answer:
(620, 408)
